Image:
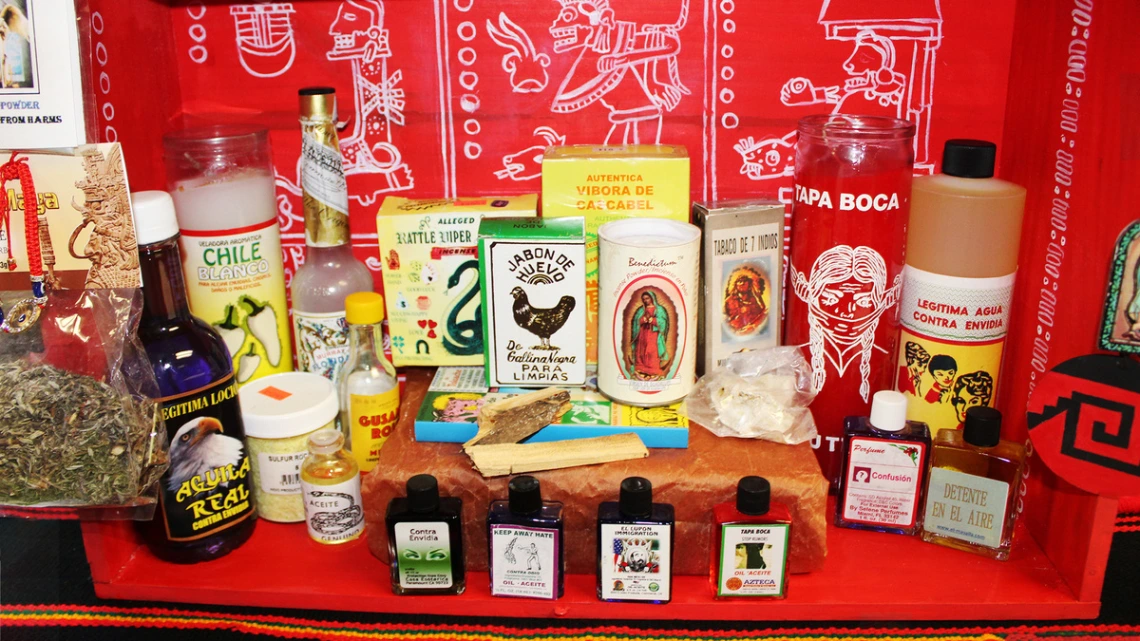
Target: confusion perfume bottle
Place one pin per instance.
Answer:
(425, 540)
(972, 493)
(635, 546)
(524, 534)
(884, 468)
(750, 542)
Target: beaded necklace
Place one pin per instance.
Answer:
(25, 313)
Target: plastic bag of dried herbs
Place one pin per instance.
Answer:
(79, 436)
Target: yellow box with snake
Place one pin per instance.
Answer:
(429, 253)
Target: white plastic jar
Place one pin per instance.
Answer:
(280, 411)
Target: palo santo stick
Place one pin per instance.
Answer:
(518, 458)
(514, 419)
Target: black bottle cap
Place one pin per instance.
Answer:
(753, 495)
(423, 493)
(969, 158)
(315, 91)
(982, 427)
(524, 495)
(636, 497)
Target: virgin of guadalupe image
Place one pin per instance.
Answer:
(649, 358)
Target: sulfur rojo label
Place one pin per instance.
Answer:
(373, 419)
(953, 335)
(235, 281)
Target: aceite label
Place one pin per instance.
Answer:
(322, 342)
(373, 419)
(635, 564)
(754, 558)
(423, 555)
(524, 561)
(883, 482)
(334, 513)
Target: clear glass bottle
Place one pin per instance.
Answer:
(524, 535)
(204, 425)
(330, 272)
(367, 385)
(635, 546)
(330, 484)
(885, 458)
(972, 492)
(750, 541)
(425, 540)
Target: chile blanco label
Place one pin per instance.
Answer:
(334, 513)
(235, 281)
(524, 561)
(953, 335)
(423, 555)
(753, 560)
(966, 507)
(884, 479)
(280, 473)
(322, 342)
(635, 563)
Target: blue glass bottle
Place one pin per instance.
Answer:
(635, 546)
(206, 507)
(524, 539)
(885, 462)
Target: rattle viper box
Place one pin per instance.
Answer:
(610, 183)
(431, 275)
(533, 272)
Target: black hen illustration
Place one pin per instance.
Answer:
(543, 323)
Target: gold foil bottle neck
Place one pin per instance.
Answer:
(323, 185)
(317, 104)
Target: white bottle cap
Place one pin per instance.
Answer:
(888, 411)
(154, 216)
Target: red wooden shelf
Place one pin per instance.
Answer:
(866, 576)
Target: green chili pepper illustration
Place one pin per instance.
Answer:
(248, 364)
(262, 323)
(232, 333)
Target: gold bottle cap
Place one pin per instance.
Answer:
(317, 103)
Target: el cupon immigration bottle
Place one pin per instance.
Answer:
(206, 507)
(962, 247)
(330, 272)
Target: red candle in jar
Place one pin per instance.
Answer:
(849, 216)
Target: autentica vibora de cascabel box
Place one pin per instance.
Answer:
(533, 272)
(606, 183)
(429, 253)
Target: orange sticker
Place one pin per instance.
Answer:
(275, 393)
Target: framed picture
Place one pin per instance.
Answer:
(1120, 329)
(17, 48)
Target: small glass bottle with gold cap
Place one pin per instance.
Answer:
(369, 392)
(330, 485)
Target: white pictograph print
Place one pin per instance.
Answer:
(266, 47)
(525, 65)
(846, 293)
(197, 31)
(629, 68)
(359, 36)
(890, 72)
(526, 164)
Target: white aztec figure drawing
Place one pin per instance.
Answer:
(890, 72)
(526, 164)
(525, 65)
(359, 36)
(266, 47)
(629, 68)
(846, 293)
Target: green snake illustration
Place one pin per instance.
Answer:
(468, 334)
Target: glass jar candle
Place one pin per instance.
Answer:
(280, 412)
(849, 218)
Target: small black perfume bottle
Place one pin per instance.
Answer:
(425, 540)
(524, 534)
(635, 546)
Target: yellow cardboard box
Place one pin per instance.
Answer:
(428, 249)
(605, 183)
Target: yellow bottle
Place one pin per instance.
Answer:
(330, 484)
(367, 385)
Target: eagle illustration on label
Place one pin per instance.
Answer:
(846, 293)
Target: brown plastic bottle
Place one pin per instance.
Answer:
(961, 260)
